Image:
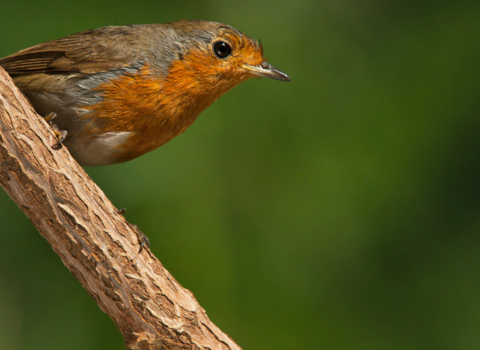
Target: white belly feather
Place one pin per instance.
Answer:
(97, 151)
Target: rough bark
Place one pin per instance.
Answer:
(149, 307)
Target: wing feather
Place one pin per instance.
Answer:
(91, 51)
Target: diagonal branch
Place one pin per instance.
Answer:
(149, 307)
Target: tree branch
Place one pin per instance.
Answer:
(149, 307)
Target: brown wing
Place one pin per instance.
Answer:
(91, 51)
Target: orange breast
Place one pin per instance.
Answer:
(155, 109)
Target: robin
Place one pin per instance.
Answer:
(117, 93)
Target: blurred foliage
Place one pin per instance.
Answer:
(340, 211)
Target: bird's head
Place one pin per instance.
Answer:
(214, 57)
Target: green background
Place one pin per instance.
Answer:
(338, 211)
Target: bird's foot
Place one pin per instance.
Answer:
(60, 134)
(50, 117)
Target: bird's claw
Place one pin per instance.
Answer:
(60, 134)
(50, 117)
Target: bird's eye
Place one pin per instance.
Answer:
(222, 49)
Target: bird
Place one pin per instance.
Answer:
(115, 93)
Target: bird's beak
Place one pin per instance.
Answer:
(266, 70)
